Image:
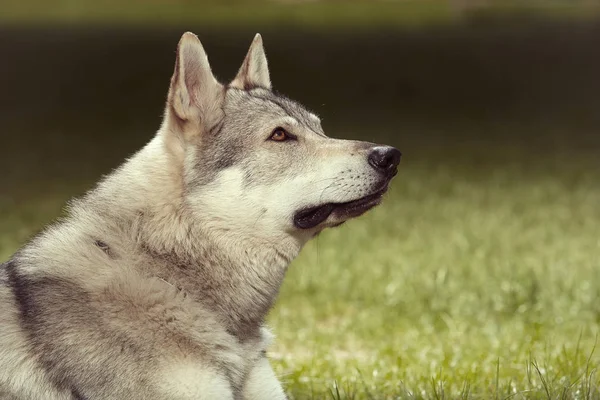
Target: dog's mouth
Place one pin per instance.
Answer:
(311, 217)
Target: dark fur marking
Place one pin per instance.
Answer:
(221, 156)
(24, 291)
(225, 162)
(104, 247)
(291, 108)
(77, 395)
(19, 286)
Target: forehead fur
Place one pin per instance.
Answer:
(249, 116)
(262, 103)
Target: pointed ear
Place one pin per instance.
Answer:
(255, 70)
(195, 94)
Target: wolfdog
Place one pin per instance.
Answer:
(157, 283)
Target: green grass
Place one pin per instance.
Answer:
(460, 286)
(472, 280)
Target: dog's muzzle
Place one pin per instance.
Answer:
(385, 160)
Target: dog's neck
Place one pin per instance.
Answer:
(236, 275)
(236, 280)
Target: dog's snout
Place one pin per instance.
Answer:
(385, 159)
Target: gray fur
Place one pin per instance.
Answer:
(157, 283)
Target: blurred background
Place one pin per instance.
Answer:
(479, 275)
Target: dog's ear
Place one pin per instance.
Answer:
(195, 94)
(255, 70)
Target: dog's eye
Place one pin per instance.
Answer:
(279, 135)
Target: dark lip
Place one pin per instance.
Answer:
(311, 217)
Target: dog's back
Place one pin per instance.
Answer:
(79, 321)
(20, 374)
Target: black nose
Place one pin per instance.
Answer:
(385, 159)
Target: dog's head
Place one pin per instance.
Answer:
(256, 162)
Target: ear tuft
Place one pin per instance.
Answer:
(194, 89)
(254, 71)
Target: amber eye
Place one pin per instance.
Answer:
(279, 135)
